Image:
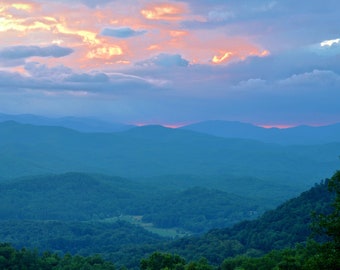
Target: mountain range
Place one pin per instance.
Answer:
(77, 123)
(301, 134)
(71, 185)
(155, 151)
(293, 135)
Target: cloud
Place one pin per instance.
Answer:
(88, 78)
(21, 52)
(123, 32)
(165, 60)
(252, 84)
(164, 11)
(172, 64)
(38, 70)
(59, 79)
(10, 80)
(327, 47)
(89, 3)
(316, 78)
(220, 15)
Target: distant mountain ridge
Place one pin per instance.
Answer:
(227, 129)
(75, 123)
(294, 135)
(151, 151)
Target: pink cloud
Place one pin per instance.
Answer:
(164, 11)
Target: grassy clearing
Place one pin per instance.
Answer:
(138, 220)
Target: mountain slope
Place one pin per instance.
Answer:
(84, 197)
(280, 228)
(276, 229)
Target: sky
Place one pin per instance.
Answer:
(266, 62)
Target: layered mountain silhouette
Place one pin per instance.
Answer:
(155, 151)
(76, 123)
(294, 135)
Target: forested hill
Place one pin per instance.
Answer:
(87, 197)
(276, 229)
(155, 151)
(287, 225)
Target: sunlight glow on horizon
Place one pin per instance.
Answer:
(279, 126)
(167, 125)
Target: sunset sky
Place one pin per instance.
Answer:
(266, 62)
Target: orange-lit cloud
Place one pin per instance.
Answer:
(22, 6)
(219, 59)
(26, 6)
(225, 57)
(154, 47)
(163, 12)
(105, 52)
(176, 33)
(80, 27)
(43, 28)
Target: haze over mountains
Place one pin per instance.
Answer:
(293, 135)
(76, 123)
(228, 129)
(151, 151)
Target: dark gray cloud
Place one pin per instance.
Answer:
(123, 32)
(21, 52)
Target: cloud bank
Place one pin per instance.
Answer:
(172, 61)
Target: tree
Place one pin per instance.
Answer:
(328, 256)
(162, 261)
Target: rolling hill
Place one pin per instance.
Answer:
(126, 244)
(152, 151)
(86, 197)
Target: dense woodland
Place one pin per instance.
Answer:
(84, 197)
(280, 239)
